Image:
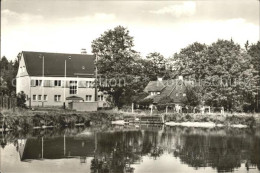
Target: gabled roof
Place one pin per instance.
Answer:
(81, 65)
(167, 88)
(154, 86)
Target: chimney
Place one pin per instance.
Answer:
(180, 78)
(83, 51)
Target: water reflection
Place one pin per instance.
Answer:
(121, 149)
(56, 148)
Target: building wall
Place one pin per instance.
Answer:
(22, 77)
(51, 91)
(24, 83)
(84, 106)
(30, 90)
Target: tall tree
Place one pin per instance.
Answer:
(8, 71)
(230, 75)
(117, 62)
(190, 62)
(155, 65)
(193, 96)
(254, 51)
(223, 70)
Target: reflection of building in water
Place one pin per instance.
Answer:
(117, 151)
(56, 148)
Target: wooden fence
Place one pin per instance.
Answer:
(7, 102)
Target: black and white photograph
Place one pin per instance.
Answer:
(130, 86)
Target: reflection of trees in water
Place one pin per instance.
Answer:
(222, 153)
(255, 153)
(117, 151)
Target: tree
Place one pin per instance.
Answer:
(117, 64)
(155, 65)
(191, 61)
(231, 78)
(224, 72)
(4, 64)
(21, 99)
(8, 71)
(193, 97)
(254, 51)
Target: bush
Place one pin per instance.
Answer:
(21, 99)
(250, 121)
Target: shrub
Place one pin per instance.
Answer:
(21, 99)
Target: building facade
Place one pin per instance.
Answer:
(173, 89)
(51, 79)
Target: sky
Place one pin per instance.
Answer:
(67, 26)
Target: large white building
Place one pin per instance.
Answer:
(52, 79)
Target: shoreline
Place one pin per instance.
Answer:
(41, 119)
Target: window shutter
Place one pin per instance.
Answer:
(46, 83)
(32, 83)
(52, 83)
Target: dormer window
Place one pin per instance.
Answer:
(155, 93)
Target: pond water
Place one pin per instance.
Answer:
(127, 149)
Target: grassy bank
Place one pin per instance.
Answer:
(22, 119)
(251, 120)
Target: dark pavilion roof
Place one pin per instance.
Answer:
(154, 86)
(167, 88)
(74, 98)
(78, 65)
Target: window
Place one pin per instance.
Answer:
(88, 97)
(100, 97)
(184, 94)
(154, 93)
(45, 98)
(73, 87)
(89, 84)
(57, 83)
(38, 82)
(39, 97)
(57, 98)
(34, 97)
(158, 93)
